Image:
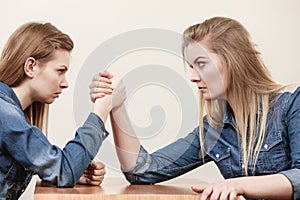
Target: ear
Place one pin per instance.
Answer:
(29, 67)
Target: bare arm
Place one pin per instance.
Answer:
(126, 142)
(275, 186)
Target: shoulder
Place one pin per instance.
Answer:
(11, 116)
(9, 109)
(290, 99)
(289, 93)
(292, 88)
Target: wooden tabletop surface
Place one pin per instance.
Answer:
(120, 189)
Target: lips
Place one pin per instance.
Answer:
(202, 89)
(57, 94)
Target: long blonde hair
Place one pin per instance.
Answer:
(250, 84)
(37, 40)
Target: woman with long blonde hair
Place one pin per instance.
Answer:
(249, 124)
(33, 66)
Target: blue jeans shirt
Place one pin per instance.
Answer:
(280, 152)
(24, 150)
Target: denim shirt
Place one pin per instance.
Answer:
(24, 150)
(280, 151)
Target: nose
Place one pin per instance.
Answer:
(195, 76)
(64, 84)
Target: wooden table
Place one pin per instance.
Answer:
(120, 189)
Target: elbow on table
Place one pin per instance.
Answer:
(67, 182)
(141, 180)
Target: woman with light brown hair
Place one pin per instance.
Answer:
(33, 66)
(249, 124)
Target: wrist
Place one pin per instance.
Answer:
(119, 108)
(238, 183)
(102, 108)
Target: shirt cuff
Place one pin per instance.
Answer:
(92, 134)
(294, 177)
(142, 164)
(96, 122)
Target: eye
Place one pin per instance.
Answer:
(201, 64)
(61, 71)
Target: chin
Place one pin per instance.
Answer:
(207, 98)
(49, 101)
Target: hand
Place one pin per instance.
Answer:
(100, 85)
(109, 89)
(219, 191)
(119, 92)
(94, 174)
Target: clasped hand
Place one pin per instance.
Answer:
(108, 90)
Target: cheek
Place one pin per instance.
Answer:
(52, 78)
(49, 84)
(223, 78)
(221, 74)
(212, 76)
(215, 82)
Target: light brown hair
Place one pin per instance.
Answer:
(37, 40)
(250, 85)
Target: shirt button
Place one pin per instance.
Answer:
(104, 134)
(266, 146)
(217, 155)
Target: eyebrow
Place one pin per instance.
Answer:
(199, 57)
(64, 66)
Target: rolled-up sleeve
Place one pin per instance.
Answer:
(63, 167)
(175, 159)
(92, 125)
(294, 177)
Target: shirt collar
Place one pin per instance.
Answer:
(229, 116)
(9, 95)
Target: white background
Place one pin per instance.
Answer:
(274, 25)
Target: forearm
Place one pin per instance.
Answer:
(275, 186)
(59, 166)
(126, 142)
(102, 108)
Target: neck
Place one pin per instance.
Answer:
(23, 95)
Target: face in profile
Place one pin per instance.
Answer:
(208, 72)
(50, 78)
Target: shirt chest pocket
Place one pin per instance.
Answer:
(221, 156)
(272, 157)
